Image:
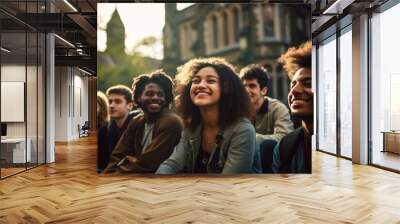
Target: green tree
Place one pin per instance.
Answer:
(114, 65)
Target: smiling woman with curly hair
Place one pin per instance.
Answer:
(218, 137)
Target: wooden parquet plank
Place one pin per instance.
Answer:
(70, 191)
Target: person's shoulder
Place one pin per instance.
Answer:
(293, 134)
(170, 115)
(276, 102)
(242, 124)
(135, 113)
(139, 118)
(277, 107)
(169, 118)
(103, 129)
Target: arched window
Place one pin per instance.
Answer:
(167, 36)
(272, 80)
(225, 27)
(282, 85)
(214, 23)
(186, 41)
(284, 25)
(236, 28)
(268, 20)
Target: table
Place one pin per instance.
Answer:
(13, 150)
(391, 141)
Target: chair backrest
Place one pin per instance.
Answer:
(86, 125)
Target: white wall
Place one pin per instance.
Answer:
(15, 73)
(61, 103)
(33, 126)
(71, 102)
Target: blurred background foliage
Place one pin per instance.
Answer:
(115, 66)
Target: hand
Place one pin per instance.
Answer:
(131, 159)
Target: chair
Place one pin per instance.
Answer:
(84, 130)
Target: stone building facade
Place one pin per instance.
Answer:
(241, 33)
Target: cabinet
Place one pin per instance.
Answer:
(391, 141)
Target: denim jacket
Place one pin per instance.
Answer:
(235, 151)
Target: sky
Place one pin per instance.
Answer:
(140, 20)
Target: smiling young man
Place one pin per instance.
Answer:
(293, 153)
(272, 120)
(120, 110)
(152, 135)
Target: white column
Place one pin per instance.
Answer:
(360, 90)
(50, 92)
(314, 88)
(50, 98)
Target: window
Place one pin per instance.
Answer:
(225, 26)
(214, 23)
(236, 27)
(284, 25)
(272, 86)
(327, 95)
(22, 65)
(346, 93)
(385, 87)
(283, 84)
(268, 20)
(186, 41)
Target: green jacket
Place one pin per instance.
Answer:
(237, 153)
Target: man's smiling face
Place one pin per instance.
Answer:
(301, 96)
(152, 99)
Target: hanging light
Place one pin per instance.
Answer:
(64, 40)
(70, 5)
(5, 50)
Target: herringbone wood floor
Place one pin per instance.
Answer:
(70, 191)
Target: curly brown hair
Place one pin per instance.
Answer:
(296, 57)
(234, 102)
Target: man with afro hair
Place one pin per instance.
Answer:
(152, 135)
(293, 153)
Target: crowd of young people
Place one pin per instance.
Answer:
(219, 121)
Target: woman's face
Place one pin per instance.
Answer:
(205, 89)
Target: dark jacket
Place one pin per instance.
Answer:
(107, 138)
(235, 152)
(103, 154)
(293, 153)
(166, 134)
